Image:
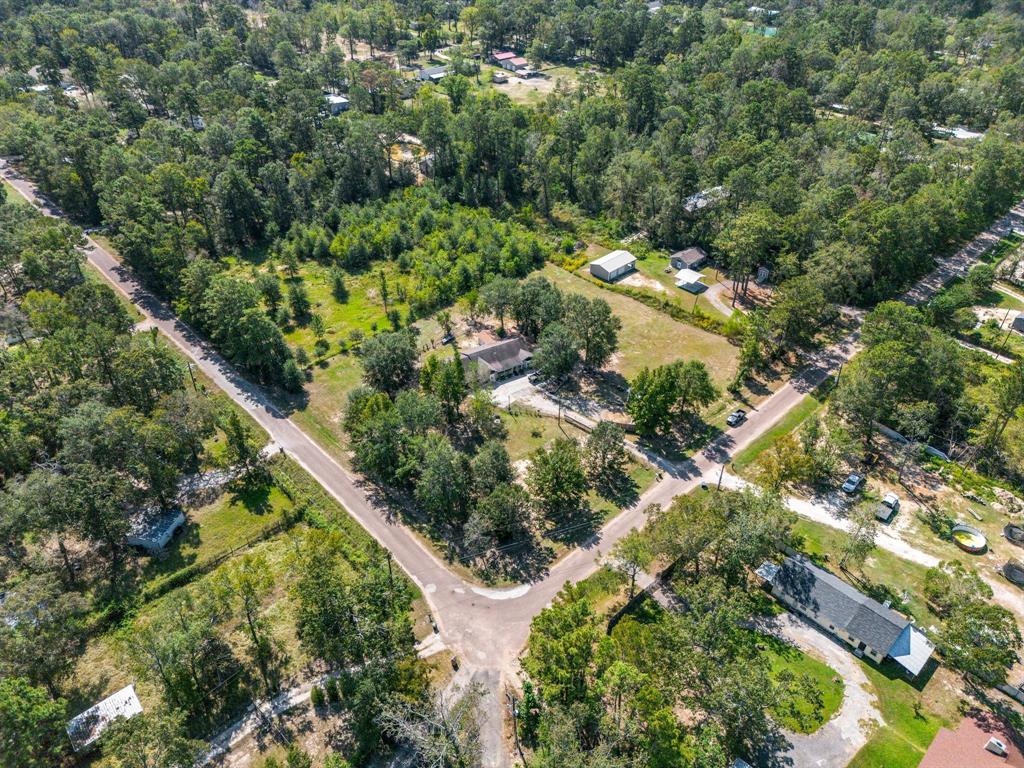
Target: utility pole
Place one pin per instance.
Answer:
(192, 376)
(513, 708)
(720, 474)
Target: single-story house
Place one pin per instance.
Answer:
(513, 62)
(499, 57)
(613, 265)
(1018, 324)
(498, 360)
(956, 132)
(433, 74)
(336, 103)
(872, 629)
(690, 280)
(689, 258)
(85, 728)
(757, 10)
(980, 741)
(151, 529)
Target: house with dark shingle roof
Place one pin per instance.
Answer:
(872, 629)
(498, 360)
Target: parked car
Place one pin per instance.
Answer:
(736, 418)
(888, 507)
(853, 483)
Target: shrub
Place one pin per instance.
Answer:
(317, 697)
(331, 688)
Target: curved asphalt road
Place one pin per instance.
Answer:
(488, 628)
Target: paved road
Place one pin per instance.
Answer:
(487, 628)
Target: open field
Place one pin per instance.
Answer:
(650, 338)
(653, 268)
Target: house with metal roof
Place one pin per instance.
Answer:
(151, 529)
(872, 629)
(613, 265)
(336, 103)
(498, 360)
(433, 74)
(85, 728)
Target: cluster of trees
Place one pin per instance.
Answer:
(429, 435)
(669, 395)
(977, 637)
(917, 379)
(613, 700)
(96, 423)
(698, 102)
(569, 329)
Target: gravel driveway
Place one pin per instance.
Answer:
(836, 742)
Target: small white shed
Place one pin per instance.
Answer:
(85, 728)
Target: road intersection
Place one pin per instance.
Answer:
(488, 628)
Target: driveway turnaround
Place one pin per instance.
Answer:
(488, 629)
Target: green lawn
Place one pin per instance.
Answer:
(785, 657)
(13, 195)
(791, 421)
(651, 338)
(217, 528)
(908, 730)
(653, 267)
(527, 430)
(1009, 302)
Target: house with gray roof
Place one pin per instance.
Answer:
(694, 257)
(498, 360)
(152, 528)
(872, 629)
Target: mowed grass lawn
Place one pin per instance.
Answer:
(653, 267)
(791, 421)
(651, 338)
(217, 528)
(913, 714)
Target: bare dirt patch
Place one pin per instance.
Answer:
(638, 280)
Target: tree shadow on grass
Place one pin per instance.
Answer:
(573, 528)
(254, 496)
(620, 489)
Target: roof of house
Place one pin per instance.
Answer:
(822, 593)
(1018, 323)
(503, 55)
(700, 200)
(614, 260)
(154, 525)
(688, 276)
(518, 61)
(690, 256)
(334, 98)
(432, 71)
(85, 728)
(966, 745)
(500, 355)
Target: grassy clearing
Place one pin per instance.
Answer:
(653, 268)
(219, 527)
(913, 714)
(650, 338)
(526, 431)
(1009, 302)
(14, 196)
(791, 421)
